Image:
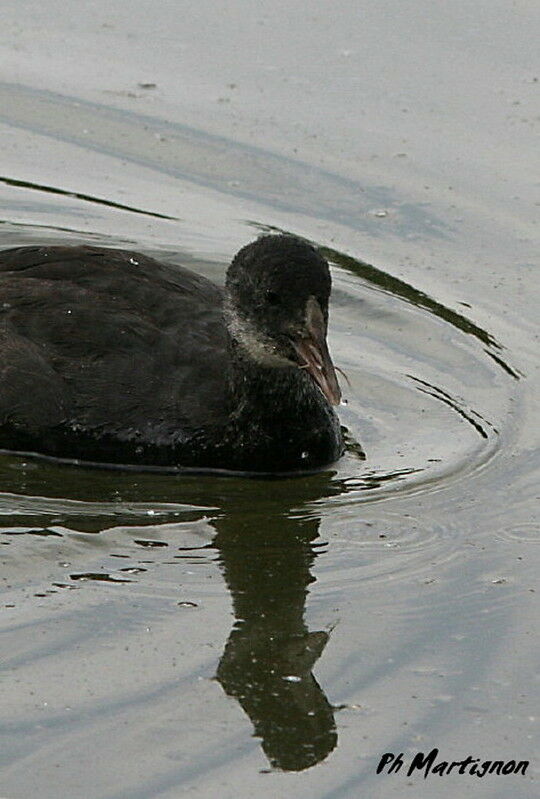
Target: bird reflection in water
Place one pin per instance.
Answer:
(267, 664)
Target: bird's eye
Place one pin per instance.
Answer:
(272, 298)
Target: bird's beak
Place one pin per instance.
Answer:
(313, 350)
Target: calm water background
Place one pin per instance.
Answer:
(164, 636)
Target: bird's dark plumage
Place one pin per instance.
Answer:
(110, 356)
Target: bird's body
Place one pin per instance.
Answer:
(111, 357)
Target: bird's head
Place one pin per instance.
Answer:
(277, 293)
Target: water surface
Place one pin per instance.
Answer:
(221, 636)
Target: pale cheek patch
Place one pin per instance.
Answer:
(259, 347)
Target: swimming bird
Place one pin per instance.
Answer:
(111, 357)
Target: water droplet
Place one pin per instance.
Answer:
(304, 455)
(292, 678)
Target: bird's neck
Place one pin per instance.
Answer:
(258, 389)
(278, 413)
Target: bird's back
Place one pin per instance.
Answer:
(110, 341)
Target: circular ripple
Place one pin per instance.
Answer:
(427, 388)
(525, 533)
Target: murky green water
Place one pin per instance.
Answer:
(219, 636)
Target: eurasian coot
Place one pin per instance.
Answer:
(111, 357)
